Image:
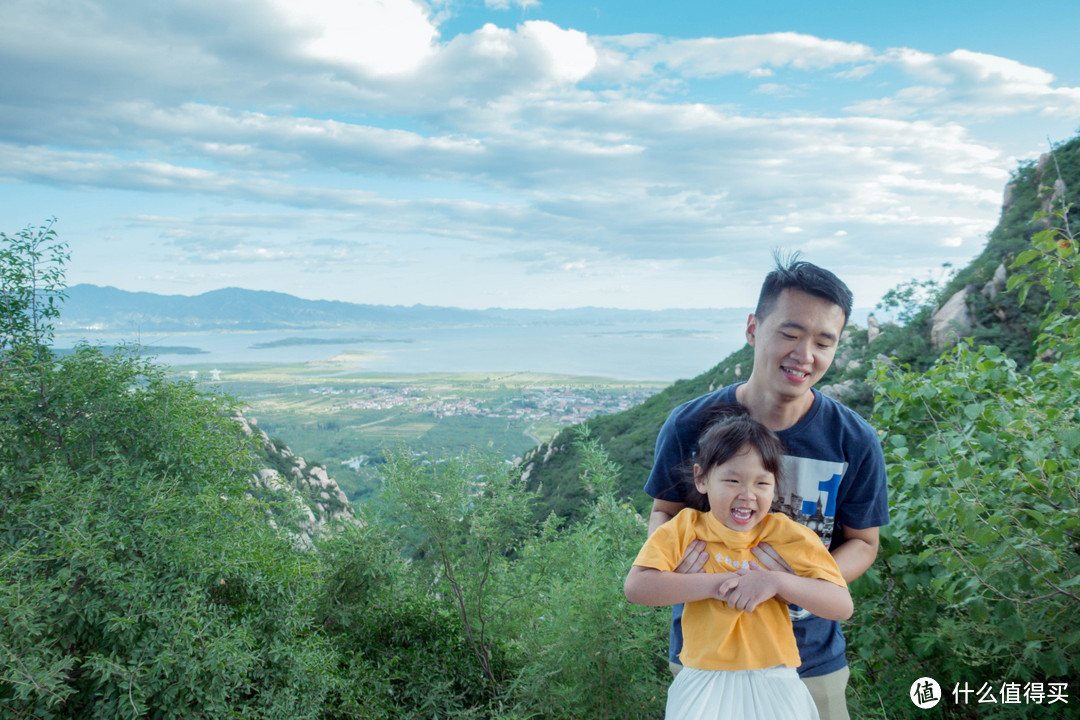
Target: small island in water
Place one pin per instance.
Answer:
(294, 341)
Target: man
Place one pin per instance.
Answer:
(835, 469)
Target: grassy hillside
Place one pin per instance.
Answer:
(629, 437)
(553, 469)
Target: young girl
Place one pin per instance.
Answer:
(739, 654)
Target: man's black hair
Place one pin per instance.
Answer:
(791, 273)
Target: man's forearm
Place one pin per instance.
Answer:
(662, 511)
(656, 519)
(820, 597)
(854, 557)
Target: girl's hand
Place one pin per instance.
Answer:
(746, 589)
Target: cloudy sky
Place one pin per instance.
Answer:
(517, 153)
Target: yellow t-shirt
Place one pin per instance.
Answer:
(716, 637)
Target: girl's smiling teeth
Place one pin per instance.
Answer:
(742, 515)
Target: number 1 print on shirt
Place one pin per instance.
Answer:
(808, 494)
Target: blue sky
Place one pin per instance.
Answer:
(517, 153)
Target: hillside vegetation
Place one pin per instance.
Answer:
(153, 566)
(141, 577)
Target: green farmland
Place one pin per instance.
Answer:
(329, 412)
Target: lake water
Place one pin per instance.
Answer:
(655, 352)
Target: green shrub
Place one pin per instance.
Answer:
(531, 614)
(581, 649)
(402, 652)
(137, 579)
(979, 575)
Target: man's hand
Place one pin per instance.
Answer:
(769, 559)
(693, 560)
(748, 589)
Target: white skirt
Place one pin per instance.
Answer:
(766, 694)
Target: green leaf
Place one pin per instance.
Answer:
(1070, 439)
(985, 535)
(1025, 257)
(973, 411)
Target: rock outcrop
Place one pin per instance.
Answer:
(841, 392)
(302, 499)
(873, 329)
(951, 321)
(997, 284)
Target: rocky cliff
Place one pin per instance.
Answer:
(975, 304)
(302, 499)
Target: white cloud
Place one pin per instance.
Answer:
(755, 54)
(963, 83)
(507, 4)
(693, 175)
(567, 54)
(377, 37)
(493, 62)
(248, 253)
(774, 89)
(972, 68)
(542, 147)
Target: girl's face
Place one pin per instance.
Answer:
(740, 490)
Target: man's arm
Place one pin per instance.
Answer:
(853, 557)
(857, 553)
(662, 511)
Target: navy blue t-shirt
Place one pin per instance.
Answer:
(834, 477)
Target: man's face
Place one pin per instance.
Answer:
(794, 343)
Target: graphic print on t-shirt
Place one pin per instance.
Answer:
(808, 493)
(808, 496)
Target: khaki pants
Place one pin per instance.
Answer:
(829, 692)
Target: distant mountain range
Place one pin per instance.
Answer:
(108, 309)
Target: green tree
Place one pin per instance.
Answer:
(137, 577)
(581, 649)
(538, 607)
(139, 580)
(402, 651)
(979, 575)
(908, 299)
(462, 518)
(31, 289)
